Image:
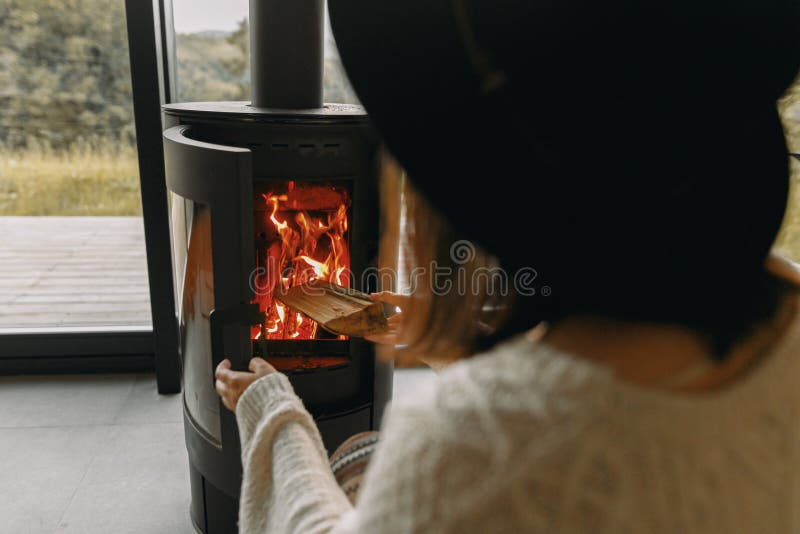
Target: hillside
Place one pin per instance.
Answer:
(215, 66)
(205, 68)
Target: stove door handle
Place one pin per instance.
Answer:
(240, 315)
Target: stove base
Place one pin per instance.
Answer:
(212, 510)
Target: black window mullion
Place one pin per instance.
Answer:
(150, 90)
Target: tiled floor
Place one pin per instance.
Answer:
(99, 454)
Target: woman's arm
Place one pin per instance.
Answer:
(434, 470)
(287, 485)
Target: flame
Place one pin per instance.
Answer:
(304, 244)
(340, 275)
(272, 329)
(320, 269)
(274, 201)
(299, 321)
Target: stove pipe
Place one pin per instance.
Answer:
(286, 53)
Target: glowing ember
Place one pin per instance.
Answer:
(304, 237)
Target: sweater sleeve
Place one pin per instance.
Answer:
(287, 484)
(416, 481)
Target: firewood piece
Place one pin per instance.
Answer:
(337, 309)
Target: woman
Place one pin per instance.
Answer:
(626, 167)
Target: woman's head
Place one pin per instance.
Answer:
(463, 299)
(631, 156)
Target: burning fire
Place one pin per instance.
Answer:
(305, 239)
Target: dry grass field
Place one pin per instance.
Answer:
(100, 180)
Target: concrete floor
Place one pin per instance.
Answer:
(99, 454)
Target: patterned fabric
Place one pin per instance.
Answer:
(529, 439)
(350, 461)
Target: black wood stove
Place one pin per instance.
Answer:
(266, 195)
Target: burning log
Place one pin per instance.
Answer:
(337, 309)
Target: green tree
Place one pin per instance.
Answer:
(65, 74)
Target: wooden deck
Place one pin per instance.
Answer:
(73, 272)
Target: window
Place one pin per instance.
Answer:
(212, 49)
(71, 234)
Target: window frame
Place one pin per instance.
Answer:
(151, 40)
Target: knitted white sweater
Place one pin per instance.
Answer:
(528, 439)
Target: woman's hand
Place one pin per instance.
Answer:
(231, 384)
(392, 335)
